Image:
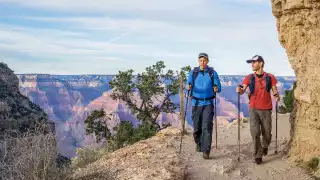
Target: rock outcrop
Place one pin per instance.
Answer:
(156, 158)
(17, 113)
(298, 23)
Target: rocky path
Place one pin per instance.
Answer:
(223, 164)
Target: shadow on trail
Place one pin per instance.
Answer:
(215, 156)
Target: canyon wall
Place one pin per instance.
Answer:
(298, 25)
(69, 99)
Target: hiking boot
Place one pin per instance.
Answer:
(198, 149)
(206, 155)
(258, 160)
(265, 151)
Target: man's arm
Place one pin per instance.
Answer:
(216, 81)
(275, 90)
(274, 87)
(189, 80)
(244, 87)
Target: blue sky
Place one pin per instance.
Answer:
(105, 36)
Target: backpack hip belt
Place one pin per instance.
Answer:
(202, 99)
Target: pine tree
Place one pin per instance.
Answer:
(96, 124)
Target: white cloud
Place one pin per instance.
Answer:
(57, 44)
(50, 43)
(109, 5)
(171, 31)
(224, 32)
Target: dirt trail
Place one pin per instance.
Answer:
(223, 164)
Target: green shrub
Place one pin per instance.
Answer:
(87, 155)
(288, 101)
(126, 134)
(313, 163)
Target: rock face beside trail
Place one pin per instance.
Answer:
(298, 23)
(155, 158)
(17, 113)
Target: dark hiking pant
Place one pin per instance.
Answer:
(202, 117)
(260, 122)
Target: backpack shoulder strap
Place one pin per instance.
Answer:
(268, 82)
(194, 76)
(211, 74)
(211, 71)
(252, 83)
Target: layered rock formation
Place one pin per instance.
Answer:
(17, 112)
(61, 96)
(68, 100)
(298, 23)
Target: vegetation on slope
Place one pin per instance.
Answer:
(288, 101)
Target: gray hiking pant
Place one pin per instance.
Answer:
(260, 122)
(202, 117)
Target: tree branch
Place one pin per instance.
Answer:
(161, 107)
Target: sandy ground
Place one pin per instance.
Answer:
(223, 163)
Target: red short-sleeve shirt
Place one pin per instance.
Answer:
(260, 99)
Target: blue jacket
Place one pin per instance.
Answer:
(202, 87)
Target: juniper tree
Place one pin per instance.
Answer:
(154, 90)
(96, 124)
(288, 100)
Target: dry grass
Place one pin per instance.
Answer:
(30, 156)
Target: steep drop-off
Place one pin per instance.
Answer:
(298, 24)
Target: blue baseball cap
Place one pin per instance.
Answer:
(256, 58)
(203, 55)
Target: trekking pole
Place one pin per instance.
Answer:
(215, 118)
(239, 124)
(276, 150)
(185, 113)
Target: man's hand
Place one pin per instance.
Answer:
(239, 89)
(276, 95)
(215, 88)
(188, 87)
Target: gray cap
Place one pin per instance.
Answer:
(203, 55)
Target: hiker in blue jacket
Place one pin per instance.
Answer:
(203, 83)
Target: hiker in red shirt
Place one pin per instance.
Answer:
(260, 105)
